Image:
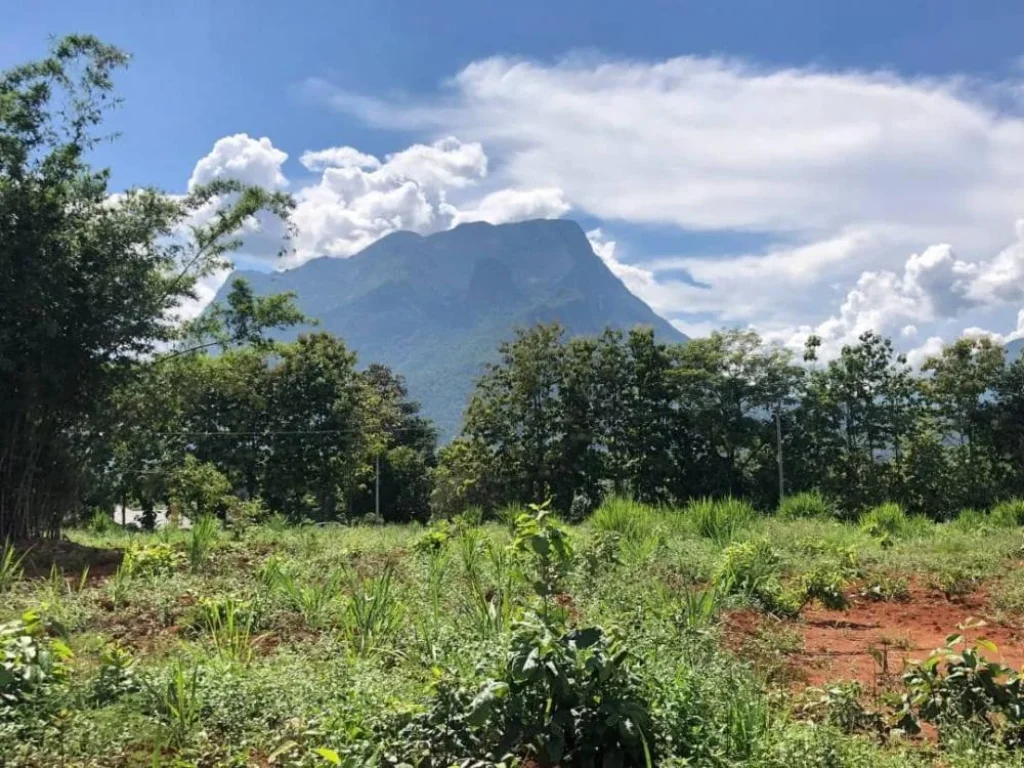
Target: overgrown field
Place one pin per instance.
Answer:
(707, 635)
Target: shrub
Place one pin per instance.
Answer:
(969, 520)
(632, 520)
(957, 686)
(1008, 513)
(436, 538)
(100, 522)
(580, 507)
(885, 522)
(809, 504)
(115, 677)
(751, 569)
(569, 698)
(719, 520)
(150, 559)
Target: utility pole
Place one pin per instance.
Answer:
(376, 494)
(778, 450)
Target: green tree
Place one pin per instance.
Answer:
(318, 439)
(89, 282)
(401, 445)
(964, 381)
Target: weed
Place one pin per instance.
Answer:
(840, 706)
(177, 700)
(314, 600)
(955, 581)
(698, 609)
(886, 588)
(116, 676)
(825, 583)
(150, 559)
(229, 624)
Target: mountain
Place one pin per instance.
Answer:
(1014, 349)
(435, 308)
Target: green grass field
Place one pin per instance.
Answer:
(662, 637)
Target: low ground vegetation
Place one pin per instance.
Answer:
(643, 636)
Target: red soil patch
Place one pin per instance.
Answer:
(871, 642)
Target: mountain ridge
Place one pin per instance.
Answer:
(435, 307)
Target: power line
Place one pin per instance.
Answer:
(261, 433)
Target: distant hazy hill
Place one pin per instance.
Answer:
(435, 308)
(1014, 349)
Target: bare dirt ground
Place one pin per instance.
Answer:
(872, 641)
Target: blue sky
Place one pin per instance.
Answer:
(813, 166)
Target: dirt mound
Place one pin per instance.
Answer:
(872, 641)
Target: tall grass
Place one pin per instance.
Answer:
(886, 521)
(719, 519)
(632, 520)
(1008, 514)
(178, 701)
(229, 625)
(202, 538)
(11, 569)
(374, 612)
(809, 504)
(314, 600)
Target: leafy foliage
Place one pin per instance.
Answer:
(29, 661)
(957, 686)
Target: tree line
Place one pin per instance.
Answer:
(107, 396)
(577, 419)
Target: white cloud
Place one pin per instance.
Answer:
(641, 282)
(514, 205)
(447, 163)
(707, 143)
(358, 198)
(840, 172)
(240, 157)
(338, 157)
(205, 289)
(934, 285)
(1000, 338)
(932, 347)
(356, 202)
